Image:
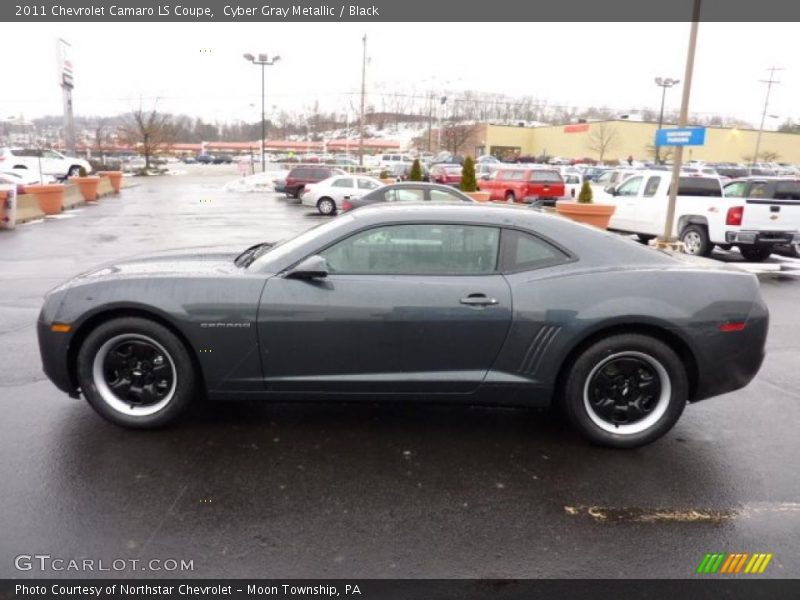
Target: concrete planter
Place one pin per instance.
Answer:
(597, 215)
(49, 196)
(478, 196)
(388, 180)
(115, 177)
(87, 186)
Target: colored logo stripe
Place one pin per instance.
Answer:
(730, 563)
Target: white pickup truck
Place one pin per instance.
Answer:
(704, 215)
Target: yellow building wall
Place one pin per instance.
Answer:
(633, 139)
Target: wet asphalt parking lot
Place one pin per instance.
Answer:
(366, 490)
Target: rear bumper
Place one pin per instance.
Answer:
(751, 237)
(731, 360)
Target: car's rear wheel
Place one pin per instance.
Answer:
(511, 197)
(755, 253)
(136, 373)
(626, 391)
(645, 239)
(299, 192)
(695, 240)
(326, 206)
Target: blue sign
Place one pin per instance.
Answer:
(689, 136)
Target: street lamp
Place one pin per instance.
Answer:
(663, 83)
(264, 61)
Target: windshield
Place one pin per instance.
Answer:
(278, 251)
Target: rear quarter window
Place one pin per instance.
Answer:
(699, 186)
(524, 252)
(787, 190)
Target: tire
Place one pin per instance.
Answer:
(609, 416)
(164, 371)
(299, 192)
(695, 240)
(74, 171)
(511, 197)
(326, 206)
(645, 239)
(755, 253)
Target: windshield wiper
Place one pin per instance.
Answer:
(246, 258)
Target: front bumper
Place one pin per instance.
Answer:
(761, 237)
(54, 350)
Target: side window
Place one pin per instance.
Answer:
(343, 182)
(758, 190)
(516, 175)
(523, 252)
(51, 154)
(405, 195)
(367, 184)
(737, 189)
(652, 186)
(418, 249)
(630, 187)
(443, 196)
(787, 190)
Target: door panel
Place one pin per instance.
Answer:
(382, 333)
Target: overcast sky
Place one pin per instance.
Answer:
(577, 64)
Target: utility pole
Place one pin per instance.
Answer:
(666, 239)
(430, 119)
(363, 94)
(770, 82)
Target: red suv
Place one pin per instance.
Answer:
(299, 177)
(446, 174)
(524, 185)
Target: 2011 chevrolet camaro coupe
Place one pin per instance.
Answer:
(445, 303)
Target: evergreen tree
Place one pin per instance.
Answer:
(468, 181)
(585, 195)
(416, 171)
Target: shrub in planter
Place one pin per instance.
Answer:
(87, 184)
(416, 171)
(585, 195)
(468, 181)
(385, 177)
(584, 210)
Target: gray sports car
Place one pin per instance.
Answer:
(444, 303)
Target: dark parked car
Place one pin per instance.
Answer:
(205, 159)
(299, 177)
(450, 303)
(223, 159)
(407, 191)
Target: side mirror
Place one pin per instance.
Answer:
(314, 267)
(612, 190)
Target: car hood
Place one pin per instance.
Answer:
(181, 262)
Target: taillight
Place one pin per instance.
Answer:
(346, 205)
(732, 326)
(735, 214)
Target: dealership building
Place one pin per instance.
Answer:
(626, 138)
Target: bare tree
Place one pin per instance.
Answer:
(456, 135)
(664, 154)
(602, 138)
(151, 130)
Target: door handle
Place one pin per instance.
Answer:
(478, 300)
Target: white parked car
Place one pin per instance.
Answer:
(50, 162)
(704, 217)
(388, 160)
(327, 195)
(573, 180)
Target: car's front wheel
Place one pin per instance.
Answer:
(326, 206)
(626, 391)
(136, 373)
(74, 171)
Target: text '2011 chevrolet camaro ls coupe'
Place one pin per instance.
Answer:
(442, 303)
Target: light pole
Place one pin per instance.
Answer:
(264, 61)
(770, 82)
(663, 83)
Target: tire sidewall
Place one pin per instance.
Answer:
(322, 202)
(184, 371)
(573, 397)
(705, 243)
